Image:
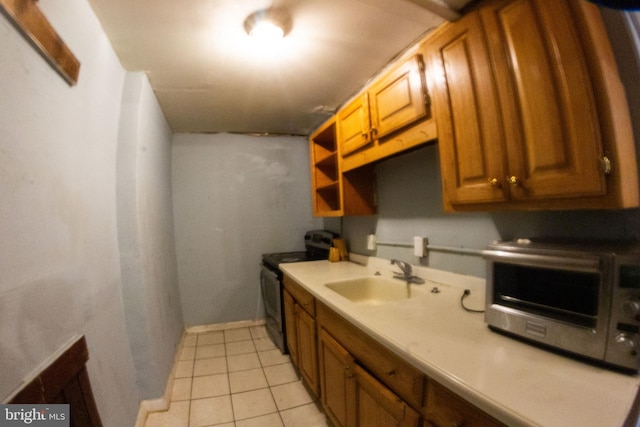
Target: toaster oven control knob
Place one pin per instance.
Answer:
(627, 341)
(631, 309)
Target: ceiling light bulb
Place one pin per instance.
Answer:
(267, 30)
(268, 25)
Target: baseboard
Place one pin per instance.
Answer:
(161, 404)
(148, 406)
(223, 326)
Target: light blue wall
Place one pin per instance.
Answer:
(410, 204)
(85, 219)
(59, 255)
(145, 235)
(235, 198)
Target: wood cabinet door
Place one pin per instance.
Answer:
(354, 126)
(337, 386)
(377, 406)
(399, 99)
(465, 103)
(399, 376)
(552, 129)
(444, 408)
(307, 349)
(290, 326)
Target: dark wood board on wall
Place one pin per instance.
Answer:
(36, 29)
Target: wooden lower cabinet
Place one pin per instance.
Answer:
(360, 382)
(395, 373)
(307, 350)
(300, 324)
(337, 386)
(377, 406)
(352, 397)
(290, 326)
(444, 408)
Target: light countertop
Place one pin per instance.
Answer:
(517, 383)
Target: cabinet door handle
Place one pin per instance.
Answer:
(348, 373)
(514, 180)
(494, 182)
(391, 372)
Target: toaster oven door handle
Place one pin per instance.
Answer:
(591, 264)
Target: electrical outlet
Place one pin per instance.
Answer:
(419, 246)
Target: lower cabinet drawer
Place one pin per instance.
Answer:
(444, 408)
(376, 405)
(301, 295)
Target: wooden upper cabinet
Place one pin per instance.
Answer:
(554, 144)
(326, 179)
(397, 99)
(467, 113)
(354, 125)
(335, 193)
(530, 109)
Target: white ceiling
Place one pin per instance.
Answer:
(208, 77)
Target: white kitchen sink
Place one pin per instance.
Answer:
(372, 290)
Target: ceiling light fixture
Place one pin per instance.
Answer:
(268, 24)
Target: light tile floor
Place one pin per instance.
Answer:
(236, 378)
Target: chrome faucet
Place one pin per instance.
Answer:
(406, 268)
(407, 273)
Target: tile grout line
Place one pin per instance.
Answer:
(270, 387)
(193, 369)
(254, 338)
(226, 361)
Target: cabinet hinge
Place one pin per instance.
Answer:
(427, 100)
(606, 165)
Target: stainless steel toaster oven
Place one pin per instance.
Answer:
(582, 298)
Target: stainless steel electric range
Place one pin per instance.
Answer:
(317, 244)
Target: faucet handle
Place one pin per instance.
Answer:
(405, 267)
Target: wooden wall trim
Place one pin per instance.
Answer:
(65, 380)
(34, 26)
